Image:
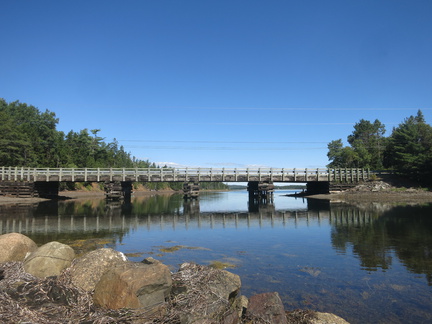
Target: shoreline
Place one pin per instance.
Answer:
(417, 196)
(76, 195)
(403, 196)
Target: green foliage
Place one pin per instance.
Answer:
(341, 157)
(408, 150)
(366, 150)
(28, 137)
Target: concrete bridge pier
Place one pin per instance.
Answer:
(260, 192)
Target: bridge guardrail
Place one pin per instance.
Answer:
(183, 174)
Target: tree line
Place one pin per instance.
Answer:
(29, 138)
(407, 150)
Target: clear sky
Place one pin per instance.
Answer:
(221, 83)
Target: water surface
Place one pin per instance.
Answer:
(367, 263)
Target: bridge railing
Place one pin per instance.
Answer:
(182, 174)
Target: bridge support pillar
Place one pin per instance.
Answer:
(190, 190)
(45, 189)
(317, 187)
(260, 192)
(118, 190)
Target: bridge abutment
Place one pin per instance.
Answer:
(29, 189)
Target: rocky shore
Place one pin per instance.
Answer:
(386, 190)
(49, 284)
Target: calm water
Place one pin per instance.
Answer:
(368, 264)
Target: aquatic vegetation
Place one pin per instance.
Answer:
(171, 248)
(83, 246)
(221, 265)
(134, 255)
(175, 248)
(197, 248)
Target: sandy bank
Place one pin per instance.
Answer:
(76, 195)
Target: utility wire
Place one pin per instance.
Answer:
(298, 108)
(220, 142)
(225, 148)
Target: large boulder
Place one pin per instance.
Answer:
(266, 308)
(15, 246)
(86, 271)
(204, 294)
(134, 285)
(327, 318)
(49, 260)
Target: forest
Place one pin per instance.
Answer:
(407, 151)
(29, 137)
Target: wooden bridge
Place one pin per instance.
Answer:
(21, 181)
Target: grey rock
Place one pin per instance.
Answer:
(327, 318)
(49, 260)
(87, 270)
(134, 285)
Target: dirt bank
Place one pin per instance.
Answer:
(76, 195)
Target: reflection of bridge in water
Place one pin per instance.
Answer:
(118, 220)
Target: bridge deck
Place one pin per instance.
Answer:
(182, 174)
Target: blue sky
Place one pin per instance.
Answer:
(220, 83)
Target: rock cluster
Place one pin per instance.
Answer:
(373, 186)
(104, 282)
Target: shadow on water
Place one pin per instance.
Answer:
(368, 264)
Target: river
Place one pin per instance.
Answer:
(369, 263)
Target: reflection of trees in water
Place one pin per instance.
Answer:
(376, 235)
(157, 204)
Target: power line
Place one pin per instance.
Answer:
(298, 108)
(181, 123)
(201, 148)
(221, 142)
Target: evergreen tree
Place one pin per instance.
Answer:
(13, 143)
(368, 142)
(340, 156)
(409, 149)
(366, 150)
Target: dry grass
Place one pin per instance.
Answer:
(27, 299)
(195, 280)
